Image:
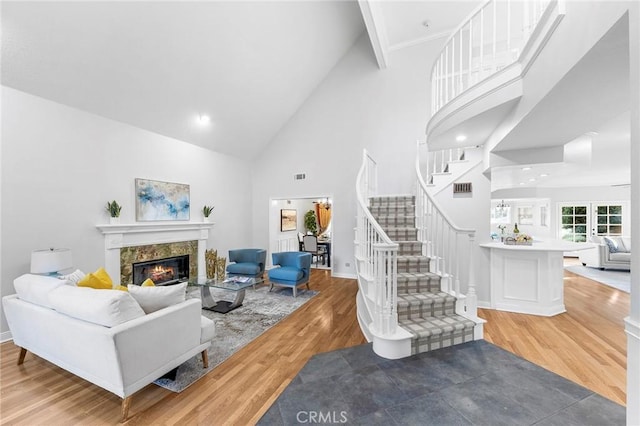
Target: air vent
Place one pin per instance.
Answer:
(462, 188)
(299, 176)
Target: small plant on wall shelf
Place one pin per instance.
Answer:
(114, 208)
(206, 212)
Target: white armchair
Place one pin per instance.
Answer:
(601, 256)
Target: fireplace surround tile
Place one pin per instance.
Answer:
(131, 255)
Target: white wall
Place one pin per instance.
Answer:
(356, 106)
(61, 165)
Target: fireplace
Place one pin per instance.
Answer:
(170, 270)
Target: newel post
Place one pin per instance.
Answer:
(386, 264)
(472, 297)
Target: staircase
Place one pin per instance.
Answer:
(423, 309)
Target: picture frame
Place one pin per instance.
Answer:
(161, 201)
(288, 220)
(525, 215)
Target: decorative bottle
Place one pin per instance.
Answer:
(515, 229)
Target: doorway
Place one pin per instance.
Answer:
(292, 218)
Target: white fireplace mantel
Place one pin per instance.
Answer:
(117, 236)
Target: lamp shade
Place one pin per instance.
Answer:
(50, 260)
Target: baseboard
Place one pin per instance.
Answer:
(484, 305)
(5, 336)
(344, 275)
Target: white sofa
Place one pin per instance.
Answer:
(600, 256)
(104, 336)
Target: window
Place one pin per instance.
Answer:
(573, 221)
(500, 215)
(608, 219)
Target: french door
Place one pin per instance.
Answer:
(578, 221)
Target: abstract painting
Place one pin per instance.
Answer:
(288, 220)
(157, 200)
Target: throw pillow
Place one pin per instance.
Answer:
(36, 288)
(99, 279)
(73, 277)
(622, 247)
(612, 244)
(122, 288)
(148, 283)
(106, 308)
(152, 299)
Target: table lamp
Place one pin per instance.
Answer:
(50, 261)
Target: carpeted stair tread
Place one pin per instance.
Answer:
(417, 282)
(404, 234)
(409, 248)
(437, 332)
(413, 263)
(424, 305)
(396, 221)
(385, 211)
(389, 200)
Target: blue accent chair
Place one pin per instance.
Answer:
(247, 262)
(294, 270)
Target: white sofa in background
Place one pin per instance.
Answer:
(104, 336)
(601, 256)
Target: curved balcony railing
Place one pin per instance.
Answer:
(492, 38)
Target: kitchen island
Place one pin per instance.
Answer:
(529, 279)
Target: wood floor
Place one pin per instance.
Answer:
(586, 345)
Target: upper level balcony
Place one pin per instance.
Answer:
(476, 79)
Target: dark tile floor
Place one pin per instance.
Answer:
(475, 383)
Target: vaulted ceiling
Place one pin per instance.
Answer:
(160, 65)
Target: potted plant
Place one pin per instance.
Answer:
(114, 210)
(206, 212)
(310, 222)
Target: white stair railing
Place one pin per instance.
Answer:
(492, 38)
(437, 162)
(377, 255)
(449, 246)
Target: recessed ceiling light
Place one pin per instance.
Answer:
(521, 183)
(461, 138)
(532, 180)
(203, 119)
(526, 168)
(543, 175)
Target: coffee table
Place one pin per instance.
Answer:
(237, 285)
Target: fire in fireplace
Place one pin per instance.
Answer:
(171, 270)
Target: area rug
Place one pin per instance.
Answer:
(610, 277)
(260, 311)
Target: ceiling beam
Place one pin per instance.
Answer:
(374, 22)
